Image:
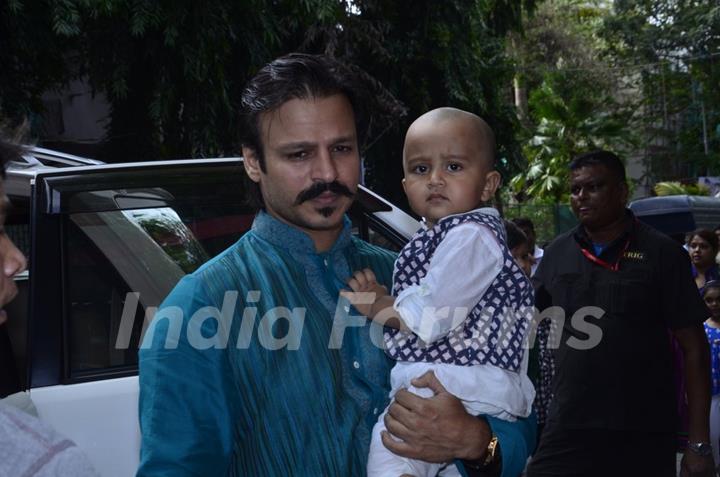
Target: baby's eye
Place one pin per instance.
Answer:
(420, 169)
(454, 167)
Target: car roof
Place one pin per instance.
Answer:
(672, 203)
(21, 176)
(34, 156)
(678, 214)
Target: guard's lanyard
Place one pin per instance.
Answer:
(614, 267)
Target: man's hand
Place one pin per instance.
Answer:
(436, 429)
(694, 465)
(364, 281)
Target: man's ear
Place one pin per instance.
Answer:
(492, 182)
(624, 192)
(251, 164)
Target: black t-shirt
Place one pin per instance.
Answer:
(624, 380)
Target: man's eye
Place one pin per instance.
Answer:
(589, 188)
(342, 149)
(297, 155)
(454, 167)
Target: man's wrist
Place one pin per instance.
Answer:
(477, 445)
(703, 449)
(489, 465)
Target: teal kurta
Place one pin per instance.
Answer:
(261, 405)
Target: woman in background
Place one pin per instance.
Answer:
(703, 247)
(711, 295)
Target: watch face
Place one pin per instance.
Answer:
(701, 448)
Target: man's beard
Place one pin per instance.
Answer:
(326, 211)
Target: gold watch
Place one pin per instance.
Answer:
(490, 452)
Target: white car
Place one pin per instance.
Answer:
(105, 243)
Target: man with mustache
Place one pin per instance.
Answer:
(308, 407)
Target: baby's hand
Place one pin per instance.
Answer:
(364, 281)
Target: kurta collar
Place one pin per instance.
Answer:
(293, 239)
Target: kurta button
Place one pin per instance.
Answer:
(375, 411)
(356, 365)
(347, 309)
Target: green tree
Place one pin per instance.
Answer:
(430, 54)
(173, 71)
(675, 49)
(574, 104)
(33, 58)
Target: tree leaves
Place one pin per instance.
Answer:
(173, 70)
(573, 104)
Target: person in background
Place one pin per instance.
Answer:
(541, 367)
(702, 245)
(12, 262)
(711, 295)
(717, 232)
(28, 447)
(519, 245)
(527, 226)
(703, 248)
(620, 284)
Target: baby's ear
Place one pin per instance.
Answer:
(492, 182)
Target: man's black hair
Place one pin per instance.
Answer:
(297, 76)
(515, 235)
(524, 223)
(602, 158)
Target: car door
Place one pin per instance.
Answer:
(108, 243)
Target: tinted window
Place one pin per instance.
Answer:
(121, 261)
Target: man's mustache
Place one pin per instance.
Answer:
(319, 187)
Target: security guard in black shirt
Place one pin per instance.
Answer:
(621, 287)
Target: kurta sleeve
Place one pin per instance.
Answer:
(516, 441)
(462, 268)
(185, 410)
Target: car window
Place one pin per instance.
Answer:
(377, 237)
(373, 230)
(119, 263)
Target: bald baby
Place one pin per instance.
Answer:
(448, 162)
(469, 127)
